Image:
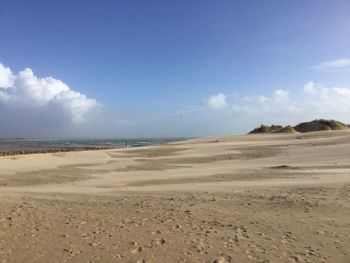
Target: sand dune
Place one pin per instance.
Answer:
(310, 126)
(249, 198)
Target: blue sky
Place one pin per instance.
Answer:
(152, 67)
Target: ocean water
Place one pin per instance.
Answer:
(62, 144)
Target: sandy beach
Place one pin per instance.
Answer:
(249, 198)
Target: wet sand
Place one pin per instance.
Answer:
(251, 198)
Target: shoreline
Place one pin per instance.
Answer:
(63, 150)
(17, 148)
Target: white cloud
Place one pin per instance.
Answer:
(315, 101)
(310, 87)
(217, 101)
(28, 100)
(281, 95)
(254, 105)
(335, 64)
(6, 77)
(330, 101)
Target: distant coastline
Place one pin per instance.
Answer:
(20, 146)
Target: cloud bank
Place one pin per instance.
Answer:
(243, 113)
(31, 103)
(315, 101)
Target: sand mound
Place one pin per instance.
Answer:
(273, 129)
(311, 126)
(320, 125)
(267, 129)
(288, 129)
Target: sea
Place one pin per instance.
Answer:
(39, 145)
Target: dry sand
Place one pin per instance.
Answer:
(255, 198)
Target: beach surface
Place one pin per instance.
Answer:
(249, 198)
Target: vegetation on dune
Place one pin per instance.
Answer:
(335, 125)
(267, 129)
(320, 125)
(273, 129)
(311, 126)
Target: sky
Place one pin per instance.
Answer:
(176, 68)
